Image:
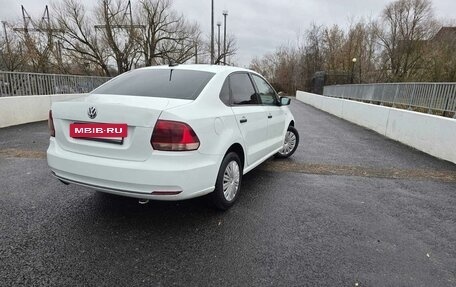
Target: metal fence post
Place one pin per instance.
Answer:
(29, 87)
(411, 96)
(433, 98)
(395, 95)
(54, 84)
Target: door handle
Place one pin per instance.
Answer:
(269, 116)
(243, 120)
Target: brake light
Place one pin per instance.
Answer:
(51, 124)
(174, 136)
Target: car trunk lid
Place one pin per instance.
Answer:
(139, 113)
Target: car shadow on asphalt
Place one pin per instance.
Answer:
(110, 208)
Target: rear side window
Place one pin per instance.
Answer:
(160, 83)
(225, 92)
(242, 90)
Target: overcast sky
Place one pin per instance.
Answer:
(259, 25)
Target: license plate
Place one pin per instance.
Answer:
(78, 130)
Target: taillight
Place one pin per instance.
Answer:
(51, 125)
(174, 136)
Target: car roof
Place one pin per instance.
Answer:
(201, 67)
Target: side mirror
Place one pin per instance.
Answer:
(284, 101)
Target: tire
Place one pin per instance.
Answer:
(230, 173)
(291, 136)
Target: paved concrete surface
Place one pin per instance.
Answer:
(349, 207)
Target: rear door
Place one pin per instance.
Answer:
(275, 114)
(250, 115)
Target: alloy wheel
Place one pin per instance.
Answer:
(231, 180)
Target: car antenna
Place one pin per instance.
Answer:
(171, 64)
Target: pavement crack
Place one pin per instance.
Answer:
(349, 170)
(13, 152)
(308, 168)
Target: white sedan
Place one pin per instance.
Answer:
(171, 133)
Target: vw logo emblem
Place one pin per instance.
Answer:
(92, 112)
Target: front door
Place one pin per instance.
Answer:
(275, 114)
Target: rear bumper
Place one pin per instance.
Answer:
(180, 175)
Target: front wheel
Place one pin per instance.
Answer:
(290, 143)
(228, 182)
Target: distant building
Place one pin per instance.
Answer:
(445, 34)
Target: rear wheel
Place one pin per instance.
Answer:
(290, 143)
(228, 182)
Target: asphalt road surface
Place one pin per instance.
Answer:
(350, 208)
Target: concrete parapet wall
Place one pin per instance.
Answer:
(26, 109)
(431, 134)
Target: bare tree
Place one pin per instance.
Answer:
(404, 27)
(231, 50)
(167, 36)
(441, 60)
(79, 40)
(370, 55)
(265, 66)
(401, 45)
(118, 32)
(11, 53)
(281, 68)
(37, 42)
(107, 40)
(361, 45)
(313, 49)
(204, 50)
(333, 43)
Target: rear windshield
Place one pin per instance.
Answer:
(161, 83)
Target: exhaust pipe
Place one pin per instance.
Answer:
(143, 201)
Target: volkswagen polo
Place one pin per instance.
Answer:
(171, 133)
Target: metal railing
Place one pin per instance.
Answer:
(25, 84)
(429, 97)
